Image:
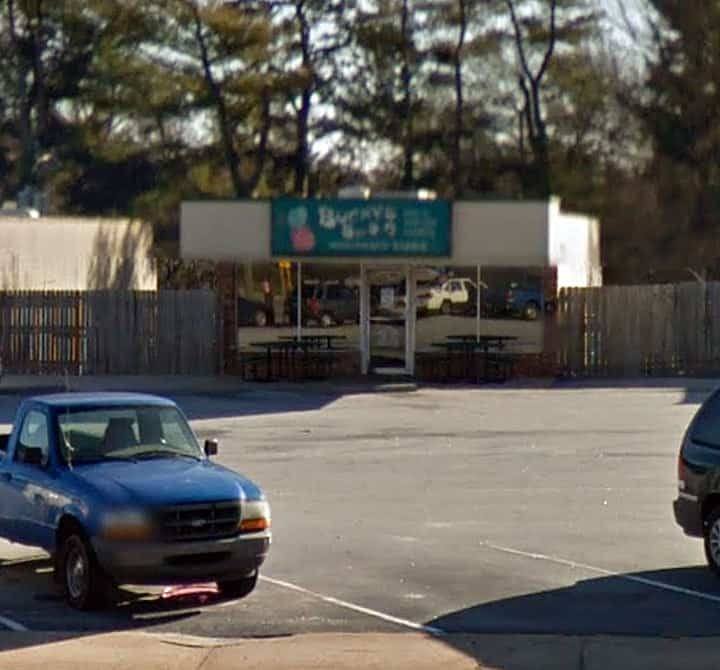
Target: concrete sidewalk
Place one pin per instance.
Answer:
(120, 651)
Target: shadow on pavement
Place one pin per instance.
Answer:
(44, 612)
(628, 604)
(252, 403)
(564, 626)
(220, 405)
(250, 399)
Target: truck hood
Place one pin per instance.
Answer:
(165, 481)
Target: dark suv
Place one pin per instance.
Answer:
(327, 304)
(697, 508)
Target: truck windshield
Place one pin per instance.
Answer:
(131, 433)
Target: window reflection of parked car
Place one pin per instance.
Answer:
(252, 313)
(455, 295)
(517, 299)
(327, 304)
(524, 301)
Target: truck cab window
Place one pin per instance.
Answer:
(33, 436)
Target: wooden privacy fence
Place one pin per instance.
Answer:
(640, 330)
(109, 332)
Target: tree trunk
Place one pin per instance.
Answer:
(302, 152)
(42, 102)
(262, 147)
(26, 164)
(408, 149)
(226, 134)
(541, 154)
(459, 103)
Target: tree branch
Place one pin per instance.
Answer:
(518, 39)
(551, 41)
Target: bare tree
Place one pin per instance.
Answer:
(530, 83)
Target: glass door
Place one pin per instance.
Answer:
(388, 320)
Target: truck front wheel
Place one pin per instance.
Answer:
(238, 588)
(84, 586)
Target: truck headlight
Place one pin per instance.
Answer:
(255, 516)
(127, 525)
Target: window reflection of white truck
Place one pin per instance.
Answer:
(454, 295)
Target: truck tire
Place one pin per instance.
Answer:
(238, 588)
(84, 586)
(711, 536)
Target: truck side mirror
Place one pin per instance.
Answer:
(211, 448)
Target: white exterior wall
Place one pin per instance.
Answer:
(75, 254)
(500, 233)
(575, 248)
(225, 230)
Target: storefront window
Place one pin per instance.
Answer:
(512, 293)
(450, 301)
(330, 301)
(513, 303)
(447, 301)
(263, 293)
(510, 302)
(267, 301)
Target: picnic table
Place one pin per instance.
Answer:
(490, 348)
(315, 340)
(297, 357)
(483, 341)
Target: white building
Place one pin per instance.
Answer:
(390, 250)
(54, 253)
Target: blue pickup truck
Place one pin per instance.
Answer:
(118, 490)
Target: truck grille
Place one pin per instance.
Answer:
(205, 521)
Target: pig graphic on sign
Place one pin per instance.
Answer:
(301, 235)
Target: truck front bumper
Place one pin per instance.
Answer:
(179, 562)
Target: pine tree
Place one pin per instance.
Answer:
(679, 110)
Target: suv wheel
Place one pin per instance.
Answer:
(238, 588)
(261, 318)
(446, 307)
(712, 540)
(531, 311)
(83, 584)
(326, 320)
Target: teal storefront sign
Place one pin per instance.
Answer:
(316, 228)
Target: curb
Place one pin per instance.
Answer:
(338, 651)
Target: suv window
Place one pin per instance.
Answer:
(332, 292)
(706, 430)
(34, 435)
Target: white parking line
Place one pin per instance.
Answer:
(430, 630)
(12, 625)
(602, 571)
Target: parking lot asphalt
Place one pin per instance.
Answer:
(465, 511)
